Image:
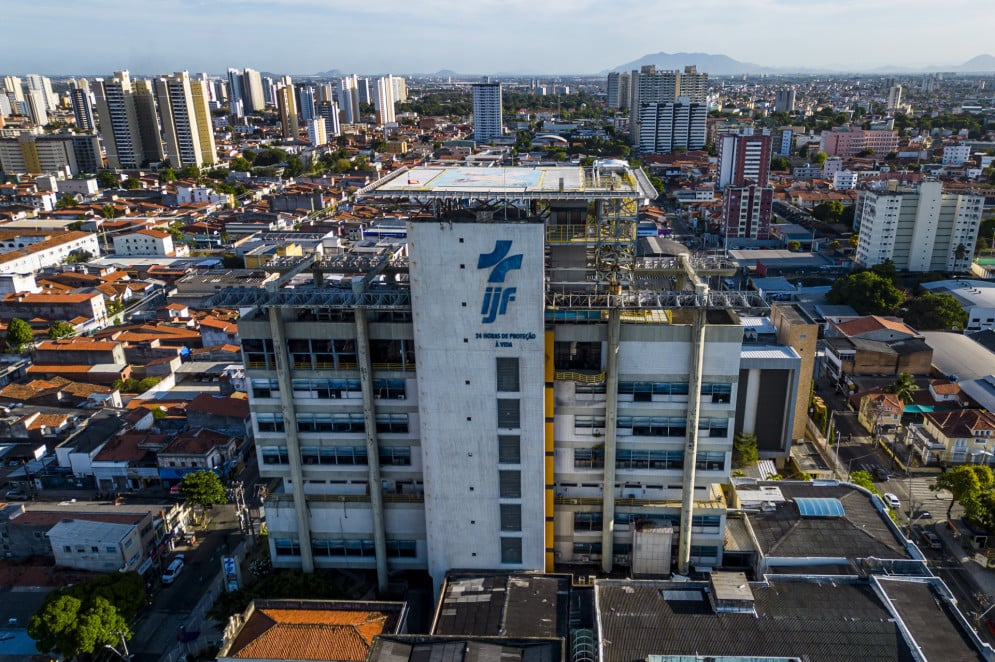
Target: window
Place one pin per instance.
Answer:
(646, 391)
(509, 449)
(67, 549)
(391, 389)
(646, 459)
(336, 455)
(275, 455)
(268, 422)
(94, 549)
(511, 517)
(400, 456)
(587, 521)
(507, 375)
(716, 427)
(265, 388)
(587, 548)
(509, 414)
(392, 422)
(717, 392)
(510, 484)
(589, 458)
(588, 423)
(287, 547)
(655, 426)
(111, 549)
(511, 550)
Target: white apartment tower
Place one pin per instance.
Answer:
(129, 125)
(784, 101)
(349, 99)
(894, 97)
(316, 133)
(383, 100)
(922, 229)
(619, 89)
(669, 126)
(186, 120)
(651, 87)
(328, 111)
(488, 121)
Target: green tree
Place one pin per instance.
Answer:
(981, 246)
(829, 211)
(794, 245)
(108, 211)
(929, 311)
(70, 626)
(131, 184)
(904, 387)
(65, 202)
(203, 488)
(864, 480)
(61, 330)
(966, 483)
(18, 334)
(240, 164)
(189, 172)
(79, 256)
(107, 179)
(867, 292)
(744, 450)
(167, 175)
(819, 159)
(780, 163)
(887, 269)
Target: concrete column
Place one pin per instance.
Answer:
(752, 401)
(372, 447)
(611, 416)
(283, 376)
(691, 449)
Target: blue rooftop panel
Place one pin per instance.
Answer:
(820, 507)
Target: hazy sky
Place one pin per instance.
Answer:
(481, 36)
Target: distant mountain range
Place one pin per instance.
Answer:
(723, 65)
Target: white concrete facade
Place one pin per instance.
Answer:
(492, 277)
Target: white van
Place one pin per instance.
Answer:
(892, 500)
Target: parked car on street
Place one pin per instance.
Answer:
(173, 570)
(931, 540)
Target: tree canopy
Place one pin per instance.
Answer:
(744, 450)
(904, 387)
(203, 488)
(84, 617)
(61, 330)
(967, 483)
(829, 211)
(18, 334)
(868, 293)
(107, 179)
(930, 311)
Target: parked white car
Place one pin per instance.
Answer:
(173, 570)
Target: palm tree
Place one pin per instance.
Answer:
(904, 387)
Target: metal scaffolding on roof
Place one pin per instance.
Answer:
(378, 298)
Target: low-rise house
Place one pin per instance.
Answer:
(874, 345)
(79, 449)
(224, 414)
(96, 546)
(196, 450)
(88, 306)
(879, 412)
(24, 532)
(128, 461)
(146, 243)
(59, 392)
(965, 436)
(214, 331)
(79, 351)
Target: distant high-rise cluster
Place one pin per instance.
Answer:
(784, 101)
(131, 115)
(245, 92)
(487, 113)
(669, 106)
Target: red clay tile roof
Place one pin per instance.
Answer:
(961, 422)
(208, 403)
(51, 518)
(869, 323)
(195, 442)
(308, 634)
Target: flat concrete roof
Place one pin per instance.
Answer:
(956, 354)
(547, 182)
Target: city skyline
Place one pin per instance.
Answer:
(556, 37)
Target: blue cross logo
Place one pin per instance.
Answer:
(497, 298)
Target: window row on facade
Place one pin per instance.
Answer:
(337, 455)
(592, 521)
(396, 549)
(653, 426)
(330, 389)
(339, 422)
(594, 458)
(329, 354)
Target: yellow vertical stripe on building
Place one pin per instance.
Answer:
(548, 407)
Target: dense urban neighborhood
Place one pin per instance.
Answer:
(655, 364)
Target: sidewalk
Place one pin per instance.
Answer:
(983, 578)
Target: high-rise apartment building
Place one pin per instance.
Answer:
(349, 99)
(328, 111)
(652, 87)
(384, 100)
(747, 211)
(43, 84)
(669, 126)
(12, 86)
(743, 159)
(894, 97)
(496, 408)
(619, 89)
(305, 102)
(488, 122)
(129, 124)
(316, 133)
(37, 107)
(253, 99)
(82, 108)
(236, 95)
(918, 229)
(784, 101)
(186, 120)
(850, 141)
(400, 87)
(286, 103)
(65, 153)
